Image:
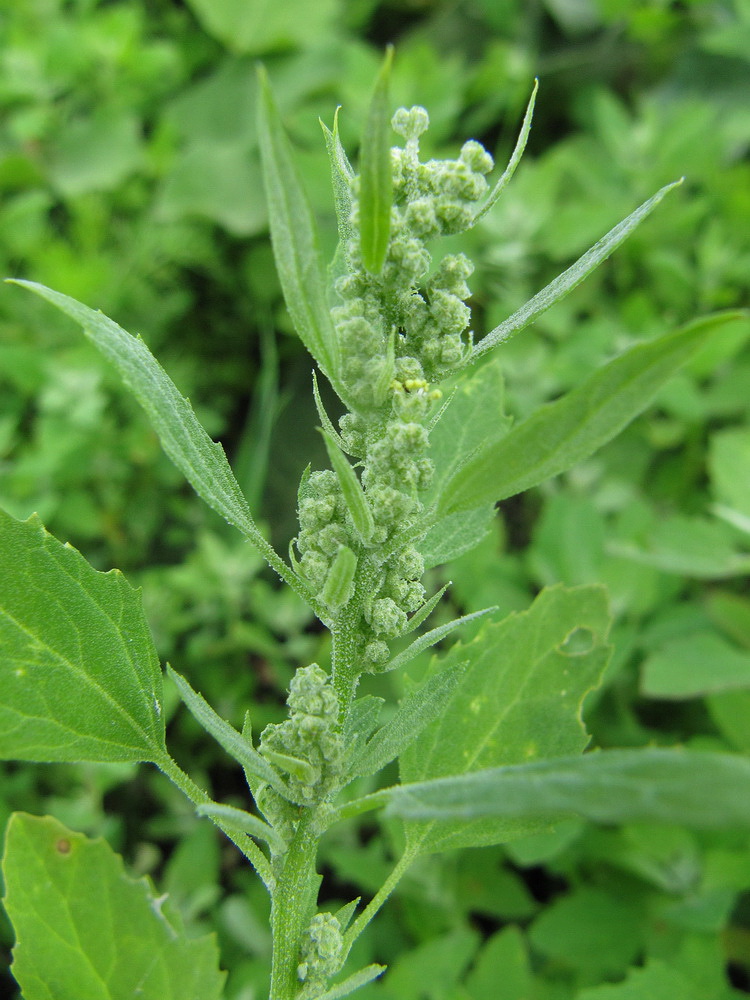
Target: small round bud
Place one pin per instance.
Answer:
(411, 123)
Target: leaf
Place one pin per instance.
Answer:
(569, 279)
(655, 981)
(514, 160)
(431, 638)
(294, 239)
(238, 748)
(245, 822)
(519, 699)
(415, 712)
(652, 785)
(695, 665)
(79, 675)
(375, 179)
(354, 497)
(455, 534)
(201, 460)
(257, 26)
(360, 724)
(565, 432)
(85, 929)
(342, 175)
(353, 982)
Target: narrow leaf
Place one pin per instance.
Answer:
(238, 819)
(421, 614)
(569, 279)
(292, 765)
(650, 785)
(201, 460)
(519, 699)
(514, 160)
(295, 244)
(79, 674)
(85, 928)
(431, 638)
(415, 712)
(375, 180)
(342, 175)
(354, 497)
(339, 585)
(361, 978)
(567, 431)
(325, 420)
(227, 736)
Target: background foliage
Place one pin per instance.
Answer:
(129, 178)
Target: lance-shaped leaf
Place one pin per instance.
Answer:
(432, 638)
(515, 159)
(567, 431)
(339, 585)
(79, 675)
(239, 748)
(375, 179)
(201, 460)
(354, 497)
(352, 983)
(294, 239)
(568, 280)
(416, 711)
(342, 175)
(84, 928)
(519, 699)
(652, 785)
(244, 822)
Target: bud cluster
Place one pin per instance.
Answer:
(321, 950)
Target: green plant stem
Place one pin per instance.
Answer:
(377, 901)
(197, 796)
(292, 902)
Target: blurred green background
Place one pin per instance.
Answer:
(129, 178)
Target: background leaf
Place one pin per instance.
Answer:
(519, 699)
(375, 182)
(80, 675)
(84, 928)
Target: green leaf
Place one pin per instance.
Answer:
(655, 981)
(236, 746)
(353, 982)
(201, 460)
(569, 279)
(695, 665)
(565, 432)
(519, 699)
(431, 638)
(354, 497)
(514, 160)
(415, 712)
(474, 416)
(245, 822)
(652, 785)
(342, 175)
(256, 26)
(375, 179)
(85, 930)
(295, 244)
(79, 675)
(339, 585)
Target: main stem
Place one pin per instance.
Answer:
(292, 906)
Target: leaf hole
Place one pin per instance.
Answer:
(579, 642)
(63, 846)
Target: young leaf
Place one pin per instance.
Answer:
(225, 735)
(201, 460)
(514, 160)
(519, 699)
(361, 722)
(649, 785)
(415, 712)
(295, 244)
(342, 175)
(339, 585)
(352, 983)
(375, 181)
(79, 675)
(238, 819)
(354, 497)
(84, 928)
(431, 638)
(565, 432)
(569, 279)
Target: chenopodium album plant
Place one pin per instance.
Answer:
(489, 743)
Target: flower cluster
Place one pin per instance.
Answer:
(307, 745)
(321, 950)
